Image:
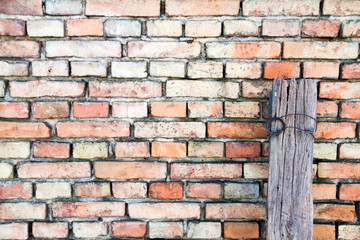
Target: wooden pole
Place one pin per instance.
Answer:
(289, 201)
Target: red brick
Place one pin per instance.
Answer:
(256, 170)
(250, 70)
(130, 170)
(128, 229)
(14, 110)
(143, 49)
(168, 109)
(168, 149)
(242, 109)
(22, 49)
(241, 230)
(335, 130)
(350, 71)
(54, 170)
(12, 68)
(132, 150)
(334, 212)
(50, 229)
(350, 110)
(45, 88)
(323, 232)
(341, 8)
(51, 150)
(12, 190)
(129, 109)
(281, 70)
(169, 129)
(351, 29)
(89, 229)
(129, 189)
(63, 7)
(12, 27)
(92, 129)
(166, 190)
(24, 130)
(22, 7)
(164, 210)
(49, 110)
(203, 190)
(327, 109)
(85, 27)
(14, 231)
(22, 211)
(206, 170)
(235, 211)
(280, 28)
(349, 192)
(91, 109)
(150, 8)
(350, 151)
(88, 209)
(256, 89)
(320, 28)
(236, 130)
(202, 8)
(243, 149)
(205, 149)
(50, 68)
(339, 90)
(339, 170)
(323, 191)
(321, 70)
(92, 189)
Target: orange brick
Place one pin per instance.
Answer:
(280, 28)
(339, 90)
(334, 212)
(281, 70)
(241, 230)
(202, 8)
(341, 8)
(235, 211)
(92, 189)
(350, 151)
(14, 110)
(206, 170)
(168, 109)
(85, 27)
(24, 130)
(132, 150)
(339, 170)
(51, 150)
(168, 149)
(323, 232)
(265, 149)
(14, 231)
(12, 27)
(150, 8)
(50, 230)
(242, 109)
(203, 190)
(323, 191)
(326, 109)
(166, 190)
(320, 28)
(350, 71)
(48, 110)
(256, 89)
(335, 130)
(13, 190)
(205, 109)
(22, 7)
(129, 189)
(349, 192)
(22, 211)
(128, 229)
(236, 130)
(91, 109)
(243, 149)
(321, 70)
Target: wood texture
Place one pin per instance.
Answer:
(289, 203)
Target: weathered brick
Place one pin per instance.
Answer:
(169, 129)
(256, 170)
(206, 170)
(320, 50)
(24, 130)
(350, 110)
(45, 88)
(14, 68)
(51, 150)
(50, 68)
(54, 170)
(21, 48)
(235, 211)
(138, 89)
(203, 190)
(50, 229)
(339, 90)
(166, 230)
(168, 149)
(90, 150)
(45, 28)
(128, 69)
(323, 191)
(144, 49)
(12, 27)
(349, 192)
(240, 28)
(241, 190)
(205, 109)
(129, 109)
(202, 28)
(84, 69)
(351, 29)
(14, 150)
(51, 109)
(166, 190)
(22, 211)
(92, 129)
(341, 7)
(130, 170)
(167, 69)
(320, 28)
(128, 229)
(281, 70)
(256, 89)
(241, 230)
(53, 190)
(265, 149)
(14, 231)
(164, 28)
(88, 209)
(164, 210)
(205, 149)
(129, 189)
(6, 170)
(280, 28)
(323, 232)
(168, 109)
(92, 189)
(149, 8)
(205, 70)
(89, 229)
(243, 149)
(2, 88)
(91, 109)
(334, 212)
(13, 190)
(84, 27)
(350, 71)
(250, 70)
(132, 150)
(339, 170)
(204, 230)
(242, 109)
(202, 8)
(14, 110)
(348, 231)
(122, 28)
(22, 7)
(325, 151)
(63, 7)
(350, 151)
(236, 130)
(321, 70)
(334, 130)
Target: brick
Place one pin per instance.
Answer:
(242, 109)
(45, 28)
(202, 28)
(335, 130)
(19, 49)
(83, 49)
(24, 130)
(280, 28)
(256, 170)
(6, 171)
(88, 209)
(265, 149)
(149, 8)
(64, 7)
(167, 69)
(129, 109)
(22, 7)
(341, 8)
(91, 109)
(351, 29)
(339, 90)
(92, 129)
(14, 110)
(92, 189)
(203, 190)
(85, 69)
(49, 110)
(128, 69)
(205, 109)
(12, 27)
(282, 8)
(349, 192)
(50, 68)
(130, 170)
(334, 212)
(168, 109)
(202, 8)
(240, 28)
(205, 70)
(256, 89)
(2, 88)
(51, 150)
(350, 151)
(45, 88)
(323, 232)
(54, 170)
(89, 229)
(205, 149)
(168, 149)
(251, 70)
(166, 190)
(128, 89)
(53, 190)
(321, 70)
(164, 28)
(235, 211)
(241, 190)
(241, 230)
(166, 230)
(144, 49)
(164, 210)
(169, 129)
(206, 170)
(84, 27)
(207, 89)
(13, 190)
(320, 28)
(243, 149)
(348, 231)
(128, 229)
(14, 231)
(350, 71)
(14, 68)
(122, 28)
(320, 50)
(132, 150)
(50, 229)
(129, 189)
(339, 170)
(22, 211)
(323, 191)
(326, 151)
(236, 130)
(14, 150)
(204, 230)
(90, 150)
(243, 50)
(281, 70)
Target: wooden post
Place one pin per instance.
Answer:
(289, 201)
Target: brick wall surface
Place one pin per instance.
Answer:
(146, 118)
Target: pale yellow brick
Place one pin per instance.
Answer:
(50, 68)
(52, 190)
(45, 28)
(14, 150)
(202, 28)
(91, 150)
(6, 170)
(167, 69)
(240, 28)
(164, 28)
(82, 69)
(122, 28)
(128, 69)
(2, 88)
(205, 70)
(325, 151)
(204, 230)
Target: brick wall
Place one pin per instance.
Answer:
(145, 118)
